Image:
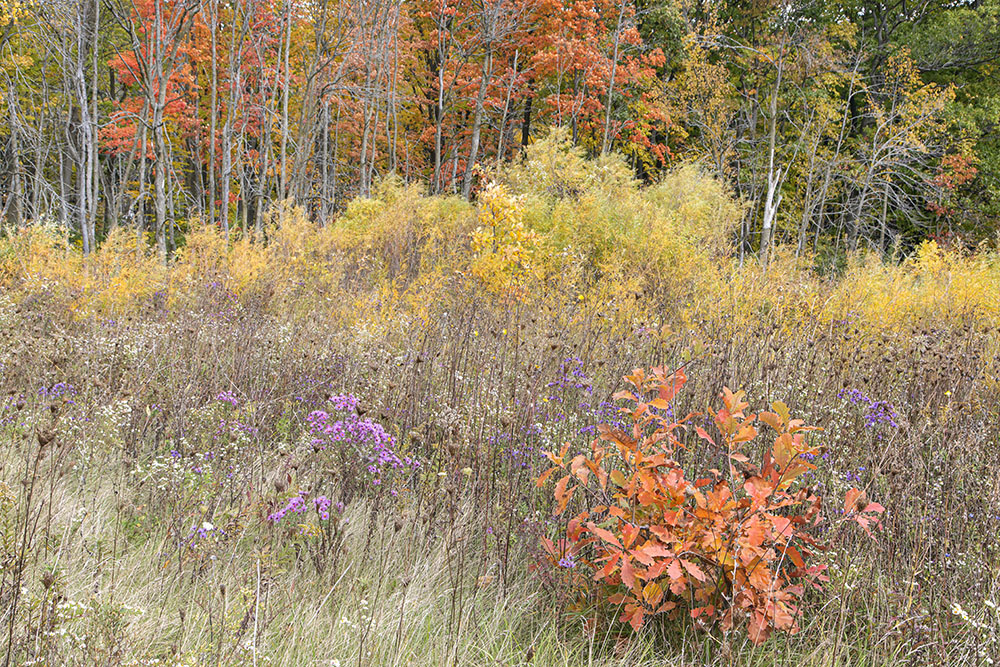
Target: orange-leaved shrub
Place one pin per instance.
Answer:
(733, 548)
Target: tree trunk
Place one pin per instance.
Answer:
(477, 122)
(807, 207)
(283, 188)
(438, 129)
(526, 122)
(14, 196)
(773, 198)
(506, 109)
(213, 113)
(611, 83)
(159, 182)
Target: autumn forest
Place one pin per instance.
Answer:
(840, 124)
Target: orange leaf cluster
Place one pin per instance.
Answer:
(729, 553)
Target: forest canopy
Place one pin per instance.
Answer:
(841, 125)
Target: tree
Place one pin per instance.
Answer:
(157, 64)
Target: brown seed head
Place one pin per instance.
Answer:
(45, 436)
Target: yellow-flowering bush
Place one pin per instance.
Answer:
(933, 285)
(552, 230)
(505, 250)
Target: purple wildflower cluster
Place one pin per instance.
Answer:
(58, 390)
(228, 397)
(368, 437)
(322, 507)
(344, 402)
(571, 376)
(523, 456)
(567, 562)
(877, 412)
(297, 504)
(848, 320)
(198, 460)
(9, 409)
(234, 428)
(608, 413)
(858, 476)
(158, 300)
(222, 293)
(313, 391)
(205, 530)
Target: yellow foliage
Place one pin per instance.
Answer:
(11, 11)
(400, 234)
(556, 168)
(934, 286)
(112, 281)
(505, 250)
(616, 257)
(119, 276)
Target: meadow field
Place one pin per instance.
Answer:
(321, 445)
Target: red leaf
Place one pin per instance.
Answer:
(642, 557)
(759, 489)
(666, 606)
(629, 533)
(636, 620)
(851, 500)
(545, 476)
(672, 385)
(693, 570)
(608, 568)
(625, 394)
(782, 525)
(873, 507)
(796, 557)
(654, 549)
(628, 573)
(562, 495)
(605, 535)
(758, 630)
